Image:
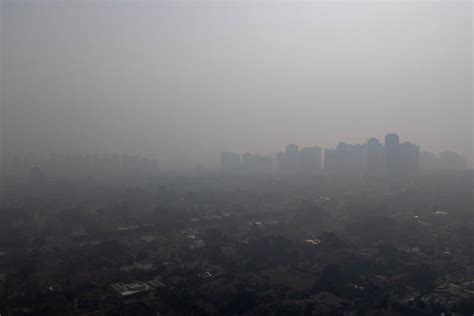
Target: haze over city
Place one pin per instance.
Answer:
(227, 158)
(183, 81)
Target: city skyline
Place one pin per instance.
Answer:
(391, 158)
(373, 149)
(210, 77)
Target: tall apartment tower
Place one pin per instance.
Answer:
(310, 159)
(409, 159)
(292, 158)
(375, 158)
(392, 154)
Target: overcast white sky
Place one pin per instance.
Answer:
(182, 81)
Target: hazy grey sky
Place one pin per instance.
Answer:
(183, 81)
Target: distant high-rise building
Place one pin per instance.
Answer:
(352, 158)
(451, 160)
(248, 162)
(447, 160)
(409, 159)
(292, 157)
(375, 158)
(429, 160)
(330, 160)
(348, 159)
(257, 163)
(266, 163)
(230, 161)
(292, 149)
(289, 161)
(392, 154)
(310, 159)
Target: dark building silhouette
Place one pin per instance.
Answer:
(375, 158)
(292, 157)
(257, 163)
(349, 159)
(409, 159)
(289, 161)
(446, 160)
(429, 160)
(451, 160)
(310, 159)
(330, 160)
(392, 154)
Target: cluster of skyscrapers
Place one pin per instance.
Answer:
(249, 162)
(392, 158)
(308, 159)
(445, 160)
(374, 158)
